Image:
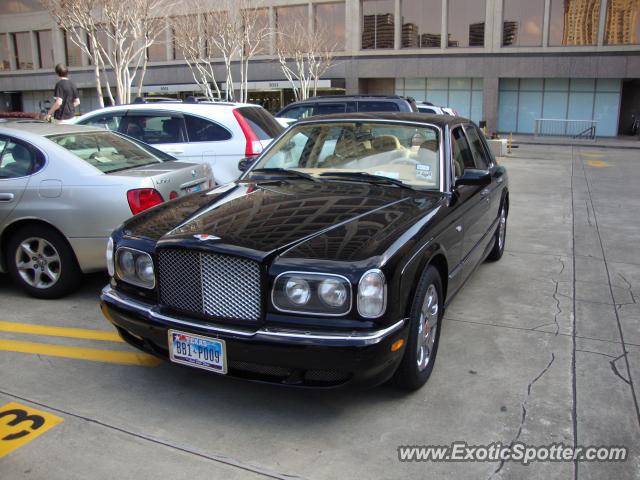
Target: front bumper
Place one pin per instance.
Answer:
(293, 357)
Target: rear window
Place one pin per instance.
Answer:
(261, 122)
(105, 151)
(377, 106)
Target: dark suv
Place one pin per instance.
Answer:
(330, 104)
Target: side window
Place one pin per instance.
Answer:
(201, 130)
(110, 121)
(302, 111)
(19, 160)
(329, 108)
(150, 128)
(426, 110)
(477, 147)
(462, 156)
(377, 106)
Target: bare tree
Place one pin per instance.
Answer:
(305, 56)
(79, 21)
(190, 38)
(254, 22)
(132, 28)
(113, 34)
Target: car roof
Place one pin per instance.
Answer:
(190, 107)
(349, 98)
(46, 128)
(440, 120)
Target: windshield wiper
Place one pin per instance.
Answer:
(367, 177)
(284, 172)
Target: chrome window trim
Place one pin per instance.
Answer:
(384, 307)
(300, 312)
(305, 337)
(139, 284)
(311, 121)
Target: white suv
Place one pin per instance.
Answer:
(219, 133)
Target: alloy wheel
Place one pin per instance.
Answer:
(427, 327)
(38, 263)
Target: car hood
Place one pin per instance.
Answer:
(326, 220)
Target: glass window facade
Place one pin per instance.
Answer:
(5, 56)
(623, 22)
(287, 17)
(466, 23)
(378, 24)
(522, 22)
(20, 6)
(421, 23)
(462, 94)
(522, 101)
(574, 22)
(259, 23)
(330, 18)
(72, 51)
(22, 50)
(157, 52)
(45, 49)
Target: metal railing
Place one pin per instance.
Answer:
(552, 127)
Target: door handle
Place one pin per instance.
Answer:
(6, 197)
(500, 180)
(484, 192)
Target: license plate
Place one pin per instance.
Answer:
(195, 188)
(198, 351)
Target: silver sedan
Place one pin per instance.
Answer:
(64, 188)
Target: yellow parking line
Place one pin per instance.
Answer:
(93, 354)
(86, 334)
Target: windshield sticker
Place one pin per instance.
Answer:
(424, 172)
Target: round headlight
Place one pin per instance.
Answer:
(372, 294)
(298, 291)
(109, 256)
(127, 263)
(332, 292)
(144, 269)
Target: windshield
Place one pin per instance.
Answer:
(106, 151)
(404, 153)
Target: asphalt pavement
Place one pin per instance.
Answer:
(541, 347)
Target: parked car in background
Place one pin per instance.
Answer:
(427, 107)
(64, 188)
(326, 267)
(217, 133)
(332, 104)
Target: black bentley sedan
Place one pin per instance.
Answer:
(329, 262)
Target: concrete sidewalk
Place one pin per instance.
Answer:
(625, 143)
(541, 347)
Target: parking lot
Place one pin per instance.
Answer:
(540, 347)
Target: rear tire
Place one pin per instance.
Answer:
(500, 236)
(42, 263)
(424, 332)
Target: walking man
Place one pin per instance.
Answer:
(65, 97)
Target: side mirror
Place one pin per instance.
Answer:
(245, 164)
(475, 177)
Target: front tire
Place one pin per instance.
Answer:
(42, 263)
(424, 332)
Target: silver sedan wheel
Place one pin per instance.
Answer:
(427, 327)
(38, 262)
(502, 228)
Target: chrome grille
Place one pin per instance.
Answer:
(210, 284)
